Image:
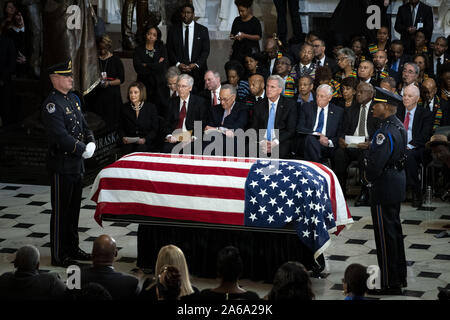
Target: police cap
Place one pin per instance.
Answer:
(385, 96)
(62, 68)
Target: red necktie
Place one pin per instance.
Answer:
(214, 99)
(182, 116)
(406, 122)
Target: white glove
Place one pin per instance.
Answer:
(90, 148)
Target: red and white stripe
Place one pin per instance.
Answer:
(187, 187)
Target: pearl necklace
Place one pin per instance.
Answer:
(139, 107)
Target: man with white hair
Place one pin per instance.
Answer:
(26, 283)
(319, 125)
(418, 124)
(410, 75)
(275, 115)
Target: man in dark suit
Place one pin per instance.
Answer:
(366, 71)
(275, 116)
(188, 46)
(320, 59)
(183, 111)
(257, 92)
(418, 124)
(169, 91)
(411, 17)
(380, 61)
(410, 75)
(358, 121)
(212, 88)
(437, 106)
(226, 118)
(397, 58)
(272, 54)
(120, 286)
(320, 121)
(27, 283)
(7, 69)
(439, 56)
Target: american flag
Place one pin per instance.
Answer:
(225, 190)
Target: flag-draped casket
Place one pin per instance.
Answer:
(263, 193)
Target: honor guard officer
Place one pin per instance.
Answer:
(69, 142)
(384, 171)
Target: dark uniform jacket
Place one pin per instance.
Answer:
(386, 150)
(31, 285)
(67, 131)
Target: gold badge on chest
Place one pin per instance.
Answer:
(68, 111)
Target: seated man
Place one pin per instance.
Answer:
(418, 124)
(27, 283)
(120, 286)
(272, 113)
(272, 53)
(397, 59)
(212, 85)
(283, 68)
(366, 71)
(305, 66)
(320, 121)
(358, 121)
(257, 92)
(227, 117)
(439, 56)
(183, 111)
(389, 84)
(320, 59)
(380, 61)
(437, 106)
(170, 91)
(410, 75)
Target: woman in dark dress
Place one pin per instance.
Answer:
(106, 100)
(229, 269)
(150, 63)
(138, 121)
(246, 31)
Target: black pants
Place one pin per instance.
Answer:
(314, 151)
(281, 6)
(414, 157)
(390, 246)
(342, 159)
(66, 192)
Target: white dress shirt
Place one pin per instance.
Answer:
(217, 95)
(325, 119)
(274, 136)
(272, 64)
(431, 105)
(435, 61)
(410, 125)
(191, 36)
(322, 61)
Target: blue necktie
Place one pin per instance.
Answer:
(320, 123)
(270, 122)
(396, 65)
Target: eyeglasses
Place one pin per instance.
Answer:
(225, 99)
(184, 86)
(341, 58)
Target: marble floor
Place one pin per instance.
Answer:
(25, 217)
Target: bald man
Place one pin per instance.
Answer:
(120, 286)
(272, 52)
(380, 60)
(418, 124)
(437, 106)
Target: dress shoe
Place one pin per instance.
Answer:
(416, 200)
(66, 262)
(394, 291)
(81, 255)
(363, 200)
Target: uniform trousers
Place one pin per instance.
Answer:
(389, 242)
(414, 157)
(66, 190)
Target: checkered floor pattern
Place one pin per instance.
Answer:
(25, 216)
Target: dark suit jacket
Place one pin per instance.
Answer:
(437, 73)
(31, 286)
(307, 119)
(285, 118)
(145, 126)
(200, 47)
(404, 20)
(120, 286)
(196, 111)
(445, 108)
(397, 75)
(237, 119)
(330, 63)
(351, 119)
(7, 59)
(422, 125)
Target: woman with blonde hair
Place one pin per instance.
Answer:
(169, 255)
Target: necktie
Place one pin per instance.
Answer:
(438, 64)
(270, 122)
(321, 120)
(362, 122)
(413, 16)
(186, 44)
(303, 70)
(174, 94)
(214, 98)
(396, 65)
(182, 116)
(406, 122)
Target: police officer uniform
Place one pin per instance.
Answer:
(387, 181)
(68, 134)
